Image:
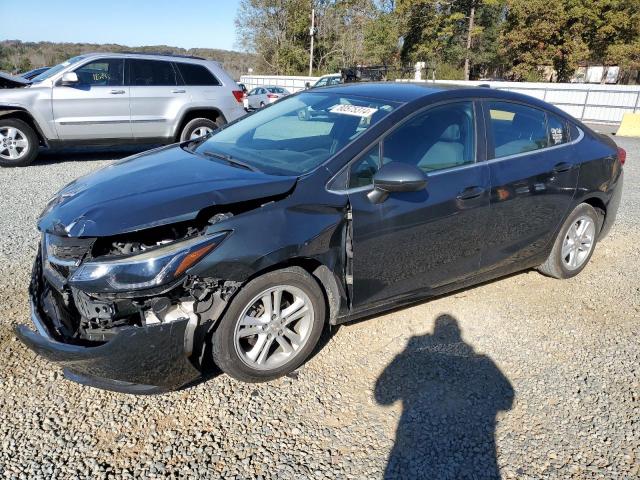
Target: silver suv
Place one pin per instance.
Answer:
(108, 99)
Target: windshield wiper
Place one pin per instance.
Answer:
(191, 145)
(230, 159)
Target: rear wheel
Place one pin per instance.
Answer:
(199, 127)
(18, 143)
(574, 244)
(271, 326)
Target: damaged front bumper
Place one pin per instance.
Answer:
(147, 359)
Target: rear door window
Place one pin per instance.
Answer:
(517, 128)
(197, 75)
(152, 73)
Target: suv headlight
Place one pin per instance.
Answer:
(150, 269)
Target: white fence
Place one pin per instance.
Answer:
(587, 102)
(293, 84)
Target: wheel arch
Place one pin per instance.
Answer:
(599, 205)
(326, 278)
(25, 116)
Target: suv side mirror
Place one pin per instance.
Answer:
(69, 78)
(396, 177)
(307, 85)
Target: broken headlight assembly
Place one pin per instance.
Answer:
(153, 268)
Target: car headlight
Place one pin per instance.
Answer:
(150, 269)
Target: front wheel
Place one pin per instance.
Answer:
(271, 326)
(574, 244)
(18, 143)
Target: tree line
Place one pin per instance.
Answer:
(525, 40)
(17, 56)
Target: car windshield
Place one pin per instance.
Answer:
(53, 70)
(297, 134)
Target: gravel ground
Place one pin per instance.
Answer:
(525, 377)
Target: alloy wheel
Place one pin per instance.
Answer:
(274, 327)
(14, 144)
(200, 132)
(578, 242)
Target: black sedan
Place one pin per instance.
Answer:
(237, 249)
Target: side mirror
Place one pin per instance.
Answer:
(69, 78)
(307, 85)
(396, 177)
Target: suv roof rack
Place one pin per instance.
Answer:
(162, 54)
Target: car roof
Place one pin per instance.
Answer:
(391, 91)
(406, 92)
(150, 56)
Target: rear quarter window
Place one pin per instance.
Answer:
(558, 131)
(197, 75)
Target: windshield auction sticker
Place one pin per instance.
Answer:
(354, 110)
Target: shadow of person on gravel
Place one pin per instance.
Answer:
(450, 396)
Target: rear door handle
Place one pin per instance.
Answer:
(117, 92)
(470, 193)
(178, 91)
(562, 167)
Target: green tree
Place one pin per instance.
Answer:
(277, 31)
(612, 32)
(539, 33)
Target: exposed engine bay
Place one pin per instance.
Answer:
(93, 318)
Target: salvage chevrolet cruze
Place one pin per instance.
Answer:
(238, 248)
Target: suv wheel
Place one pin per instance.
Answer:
(271, 326)
(574, 244)
(18, 143)
(199, 127)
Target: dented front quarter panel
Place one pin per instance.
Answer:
(308, 225)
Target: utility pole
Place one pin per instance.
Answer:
(312, 32)
(472, 15)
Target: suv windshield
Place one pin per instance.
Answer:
(53, 70)
(299, 133)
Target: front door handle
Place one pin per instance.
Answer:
(117, 92)
(562, 167)
(178, 91)
(470, 193)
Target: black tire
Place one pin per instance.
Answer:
(196, 123)
(223, 349)
(555, 266)
(28, 155)
(261, 104)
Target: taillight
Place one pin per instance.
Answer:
(622, 155)
(271, 95)
(238, 94)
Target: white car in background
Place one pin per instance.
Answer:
(327, 80)
(262, 96)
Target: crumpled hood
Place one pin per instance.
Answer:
(159, 187)
(12, 81)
